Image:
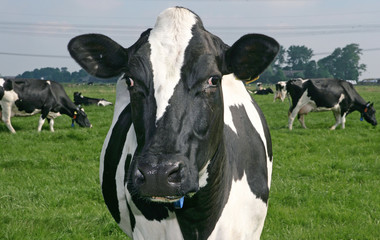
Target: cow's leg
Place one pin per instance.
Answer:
(40, 123)
(293, 114)
(51, 124)
(301, 118)
(344, 121)
(291, 119)
(6, 116)
(300, 104)
(44, 115)
(338, 120)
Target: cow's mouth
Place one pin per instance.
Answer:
(166, 199)
(170, 199)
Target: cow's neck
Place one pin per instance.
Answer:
(199, 216)
(359, 105)
(68, 108)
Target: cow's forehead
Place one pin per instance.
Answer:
(169, 39)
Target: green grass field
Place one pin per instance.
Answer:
(325, 184)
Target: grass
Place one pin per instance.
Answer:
(325, 184)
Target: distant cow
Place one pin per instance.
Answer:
(26, 97)
(79, 99)
(280, 91)
(263, 91)
(188, 155)
(334, 95)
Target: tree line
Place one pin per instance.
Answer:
(62, 75)
(294, 62)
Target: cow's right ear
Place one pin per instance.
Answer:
(99, 55)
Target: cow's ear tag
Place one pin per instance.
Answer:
(179, 203)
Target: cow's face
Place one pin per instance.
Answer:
(174, 73)
(80, 117)
(369, 114)
(77, 95)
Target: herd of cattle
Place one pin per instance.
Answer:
(189, 153)
(27, 97)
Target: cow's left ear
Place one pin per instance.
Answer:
(99, 55)
(250, 56)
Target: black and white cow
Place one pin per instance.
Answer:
(26, 97)
(264, 91)
(185, 131)
(79, 99)
(334, 95)
(280, 91)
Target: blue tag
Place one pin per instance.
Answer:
(361, 119)
(72, 125)
(179, 203)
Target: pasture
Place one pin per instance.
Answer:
(325, 184)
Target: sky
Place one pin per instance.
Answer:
(35, 33)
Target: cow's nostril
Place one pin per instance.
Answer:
(174, 174)
(140, 179)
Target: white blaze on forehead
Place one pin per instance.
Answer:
(169, 39)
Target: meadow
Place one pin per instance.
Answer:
(325, 184)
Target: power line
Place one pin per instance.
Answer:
(33, 55)
(63, 56)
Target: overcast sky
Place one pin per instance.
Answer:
(35, 33)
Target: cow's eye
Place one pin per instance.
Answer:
(213, 81)
(129, 81)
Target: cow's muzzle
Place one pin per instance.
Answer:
(165, 180)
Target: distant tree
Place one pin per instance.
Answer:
(298, 57)
(280, 60)
(268, 74)
(311, 69)
(279, 76)
(78, 76)
(344, 63)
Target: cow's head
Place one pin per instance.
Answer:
(369, 114)
(80, 117)
(77, 95)
(174, 73)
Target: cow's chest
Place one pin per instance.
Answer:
(243, 215)
(167, 229)
(241, 218)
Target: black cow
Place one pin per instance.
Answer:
(189, 154)
(26, 97)
(334, 95)
(264, 91)
(79, 99)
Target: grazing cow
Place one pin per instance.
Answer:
(26, 97)
(280, 91)
(264, 91)
(79, 99)
(188, 154)
(334, 95)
